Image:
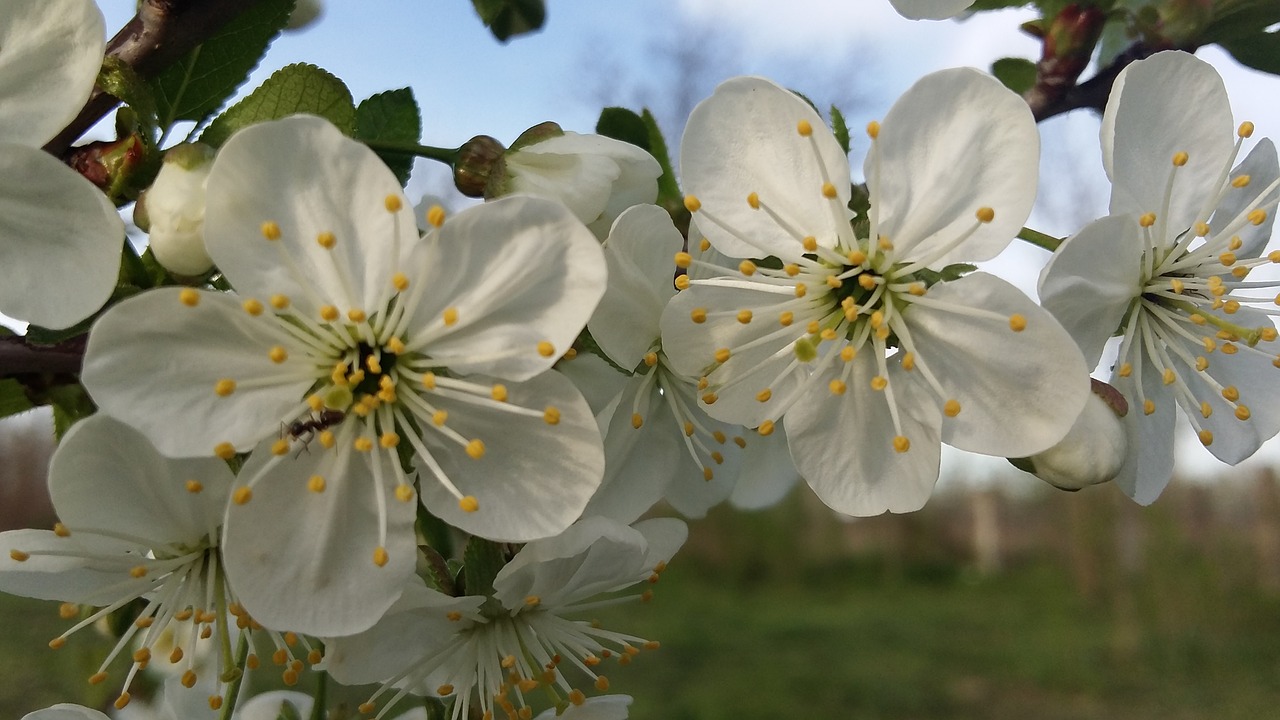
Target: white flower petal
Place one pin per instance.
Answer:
(930, 9)
(106, 476)
(64, 574)
(65, 711)
(596, 379)
(50, 53)
(1168, 103)
(518, 271)
(640, 253)
(639, 462)
(743, 140)
(1019, 392)
(767, 473)
(1092, 279)
(534, 479)
(60, 238)
(1149, 464)
(1263, 168)
(665, 536)
(268, 705)
(303, 560)
(307, 177)
(593, 556)
(153, 362)
(956, 141)
(601, 707)
(842, 445)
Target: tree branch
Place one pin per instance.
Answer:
(1092, 93)
(20, 357)
(158, 35)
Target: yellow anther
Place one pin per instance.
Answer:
(576, 697)
(404, 492)
(380, 557)
(1231, 307)
(224, 387)
(224, 450)
(746, 267)
(435, 216)
(1147, 220)
(475, 449)
(1198, 319)
(1227, 259)
(189, 297)
(719, 436)
(791, 269)
(19, 556)
(828, 334)
(837, 387)
(1267, 334)
(122, 701)
(270, 230)
(704, 244)
(804, 128)
(1240, 181)
(1245, 130)
(692, 203)
(702, 383)
(884, 244)
(388, 440)
(532, 601)
(867, 281)
(873, 129)
(802, 290)
(985, 214)
(367, 708)
(1202, 229)
(138, 571)
(1176, 285)
(327, 439)
(546, 349)
(429, 380)
(879, 382)
(499, 392)
(1180, 158)
(754, 201)
(508, 662)
(1206, 437)
(1231, 393)
(710, 398)
(445, 689)
(551, 416)
(278, 301)
(810, 243)
(175, 657)
(602, 683)
(242, 495)
(329, 313)
(766, 428)
(1242, 412)
(68, 610)
(290, 677)
(215, 702)
(278, 354)
(828, 190)
(449, 316)
(650, 359)
(698, 315)
(1148, 407)
(848, 353)
(882, 332)
(1258, 216)
(682, 282)
(400, 281)
(786, 317)
(316, 483)
(683, 260)
(901, 444)
(1168, 376)
(253, 307)
(392, 203)
(1202, 364)
(637, 420)
(764, 395)
(908, 361)
(1240, 272)
(57, 643)
(1206, 409)
(362, 444)
(688, 429)
(280, 447)
(876, 319)
(1017, 322)
(833, 281)
(326, 240)
(357, 315)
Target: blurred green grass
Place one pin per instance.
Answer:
(773, 615)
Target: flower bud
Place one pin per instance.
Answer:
(113, 165)
(305, 14)
(172, 210)
(1093, 451)
(479, 163)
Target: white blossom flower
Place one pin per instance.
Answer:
(861, 338)
(659, 443)
(134, 527)
(60, 238)
(1093, 451)
(597, 177)
(65, 711)
(930, 9)
(1169, 269)
(349, 336)
(174, 210)
(505, 646)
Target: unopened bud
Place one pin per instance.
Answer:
(172, 210)
(112, 165)
(1093, 451)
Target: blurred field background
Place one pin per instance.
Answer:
(998, 601)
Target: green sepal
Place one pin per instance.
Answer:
(622, 124)
(434, 531)
(1023, 464)
(508, 18)
(71, 404)
(840, 128)
(1017, 74)
(118, 78)
(198, 84)
(13, 398)
(481, 562)
(589, 344)
(288, 711)
(391, 116)
(433, 568)
(297, 88)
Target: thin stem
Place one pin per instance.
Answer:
(444, 155)
(1039, 239)
(233, 687)
(321, 696)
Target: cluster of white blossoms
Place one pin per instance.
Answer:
(322, 388)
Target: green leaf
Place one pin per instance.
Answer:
(70, 405)
(198, 84)
(622, 124)
(1017, 74)
(298, 88)
(13, 398)
(508, 18)
(980, 5)
(118, 78)
(481, 562)
(668, 189)
(1260, 52)
(840, 128)
(1240, 27)
(391, 116)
